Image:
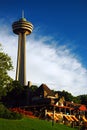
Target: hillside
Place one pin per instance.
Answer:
(30, 124)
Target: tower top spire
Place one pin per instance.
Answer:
(22, 13)
(23, 18)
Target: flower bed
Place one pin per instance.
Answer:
(23, 112)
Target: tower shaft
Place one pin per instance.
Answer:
(21, 59)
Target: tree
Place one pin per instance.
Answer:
(68, 96)
(83, 99)
(33, 88)
(5, 66)
(15, 95)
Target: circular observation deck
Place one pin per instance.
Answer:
(22, 26)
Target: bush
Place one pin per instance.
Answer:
(16, 115)
(7, 114)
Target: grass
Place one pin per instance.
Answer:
(30, 124)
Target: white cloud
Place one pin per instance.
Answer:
(53, 65)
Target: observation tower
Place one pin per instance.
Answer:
(21, 28)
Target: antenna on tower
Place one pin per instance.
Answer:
(22, 13)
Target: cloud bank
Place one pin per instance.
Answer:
(47, 62)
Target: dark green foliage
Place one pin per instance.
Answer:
(33, 88)
(7, 114)
(83, 99)
(76, 100)
(68, 96)
(15, 95)
(16, 88)
(5, 66)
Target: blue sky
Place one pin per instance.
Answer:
(60, 25)
(65, 19)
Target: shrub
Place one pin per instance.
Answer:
(16, 115)
(7, 114)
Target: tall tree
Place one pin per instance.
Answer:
(83, 99)
(5, 66)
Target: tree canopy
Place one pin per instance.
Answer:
(5, 66)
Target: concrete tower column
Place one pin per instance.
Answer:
(22, 71)
(21, 28)
(18, 58)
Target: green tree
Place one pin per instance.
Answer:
(15, 95)
(33, 88)
(5, 66)
(68, 96)
(83, 99)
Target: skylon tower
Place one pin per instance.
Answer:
(21, 28)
